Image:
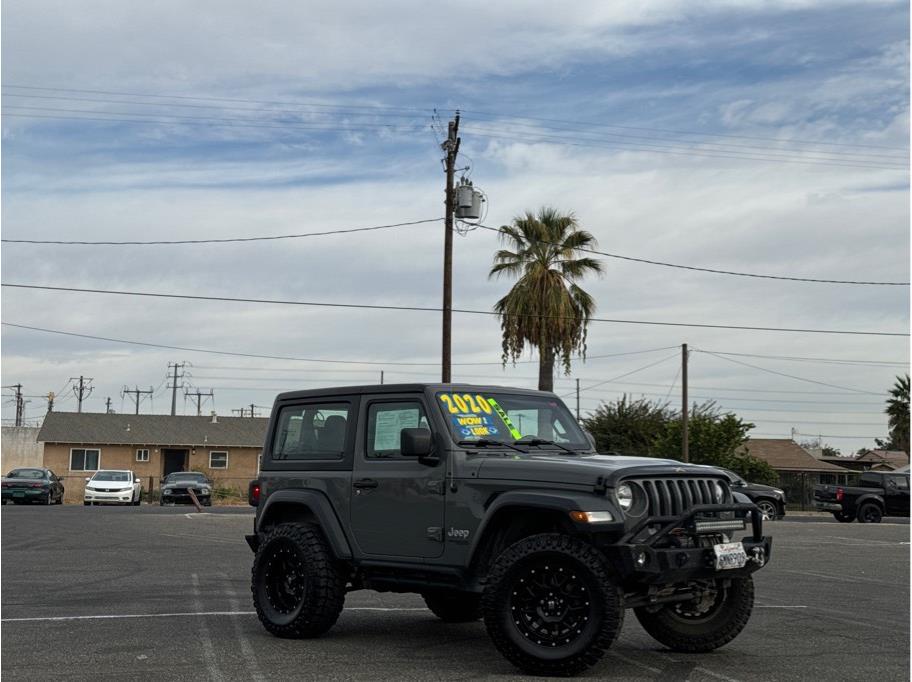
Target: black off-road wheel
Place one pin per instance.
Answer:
(451, 606)
(869, 513)
(842, 517)
(704, 624)
(298, 591)
(550, 605)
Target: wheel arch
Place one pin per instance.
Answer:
(305, 506)
(514, 515)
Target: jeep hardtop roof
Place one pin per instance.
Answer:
(404, 388)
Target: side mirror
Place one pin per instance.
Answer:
(416, 442)
(137, 480)
(88, 479)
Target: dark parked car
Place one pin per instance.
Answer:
(769, 500)
(33, 484)
(175, 488)
(878, 494)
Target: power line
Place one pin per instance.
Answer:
(221, 241)
(621, 376)
(885, 363)
(789, 376)
(741, 400)
(816, 435)
(362, 306)
(716, 271)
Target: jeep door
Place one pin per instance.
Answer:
(397, 503)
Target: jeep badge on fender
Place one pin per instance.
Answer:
(491, 503)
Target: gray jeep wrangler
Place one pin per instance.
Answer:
(492, 503)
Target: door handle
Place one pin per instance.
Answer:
(365, 484)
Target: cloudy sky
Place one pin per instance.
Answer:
(760, 137)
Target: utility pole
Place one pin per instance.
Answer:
(240, 412)
(108, 409)
(19, 404)
(577, 400)
(135, 393)
(252, 415)
(199, 395)
(685, 446)
(451, 147)
(83, 391)
(176, 366)
(50, 399)
(381, 377)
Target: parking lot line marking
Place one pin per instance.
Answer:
(250, 659)
(841, 578)
(637, 664)
(772, 606)
(180, 614)
(205, 538)
(718, 676)
(205, 636)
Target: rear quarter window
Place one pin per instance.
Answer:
(316, 431)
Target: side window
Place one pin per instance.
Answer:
(385, 422)
(901, 482)
(313, 431)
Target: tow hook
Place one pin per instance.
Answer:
(758, 556)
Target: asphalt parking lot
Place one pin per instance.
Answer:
(149, 592)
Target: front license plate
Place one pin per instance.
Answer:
(729, 555)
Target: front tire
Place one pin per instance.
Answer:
(768, 509)
(703, 624)
(869, 513)
(842, 517)
(451, 606)
(298, 590)
(550, 605)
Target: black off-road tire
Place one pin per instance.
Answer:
(718, 628)
(451, 606)
(870, 512)
(298, 590)
(597, 625)
(842, 517)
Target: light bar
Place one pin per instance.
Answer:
(709, 526)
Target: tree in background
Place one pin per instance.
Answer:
(628, 426)
(898, 414)
(642, 427)
(546, 308)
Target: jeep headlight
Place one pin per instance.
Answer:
(718, 491)
(624, 494)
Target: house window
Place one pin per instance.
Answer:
(142, 455)
(82, 459)
(218, 460)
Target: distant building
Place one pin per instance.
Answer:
(872, 460)
(799, 471)
(227, 449)
(20, 448)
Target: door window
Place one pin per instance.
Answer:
(900, 482)
(313, 431)
(385, 422)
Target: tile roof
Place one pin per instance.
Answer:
(784, 454)
(152, 429)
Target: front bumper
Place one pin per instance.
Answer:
(665, 557)
(117, 497)
(184, 498)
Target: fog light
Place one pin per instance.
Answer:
(641, 559)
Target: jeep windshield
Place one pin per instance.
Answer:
(509, 417)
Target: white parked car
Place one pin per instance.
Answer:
(111, 486)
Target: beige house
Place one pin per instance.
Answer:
(226, 449)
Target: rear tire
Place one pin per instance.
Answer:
(298, 590)
(842, 517)
(869, 513)
(550, 605)
(451, 606)
(699, 627)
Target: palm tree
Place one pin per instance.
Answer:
(898, 413)
(545, 308)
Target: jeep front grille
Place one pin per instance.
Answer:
(674, 496)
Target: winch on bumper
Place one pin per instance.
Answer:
(673, 549)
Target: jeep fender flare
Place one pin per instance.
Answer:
(562, 502)
(317, 504)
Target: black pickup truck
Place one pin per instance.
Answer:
(878, 494)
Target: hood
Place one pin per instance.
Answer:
(110, 485)
(760, 487)
(579, 470)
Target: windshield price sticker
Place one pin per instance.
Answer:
(472, 415)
